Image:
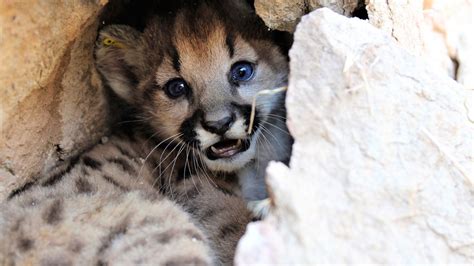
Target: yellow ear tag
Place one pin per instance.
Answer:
(110, 42)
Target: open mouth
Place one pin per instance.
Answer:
(227, 148)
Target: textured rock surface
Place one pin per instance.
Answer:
(382, 166)
(285, 14)
(343, 7)
(449, 38)
(401, 19)
(438, 30)
(281, 14)
(50, 98)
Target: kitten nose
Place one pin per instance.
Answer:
(220, 126)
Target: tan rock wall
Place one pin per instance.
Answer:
(51, 101)
(285, 14)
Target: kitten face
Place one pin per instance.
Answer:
(194, 77)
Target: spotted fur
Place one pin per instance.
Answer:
(105, 209)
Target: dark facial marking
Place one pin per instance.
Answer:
(53, 214)
(127, 167)
(230, 42)
(127, 71)
(92, 163)
(115, 183)
(246, 111)
(175, 58)
(187, 128)
(150, 89)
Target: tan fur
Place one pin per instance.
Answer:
(204, 60)
(199, 46)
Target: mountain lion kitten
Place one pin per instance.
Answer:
(163, 192)
(194, 76)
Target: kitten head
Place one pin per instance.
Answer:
(194, 74)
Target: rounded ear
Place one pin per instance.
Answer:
(118, 58)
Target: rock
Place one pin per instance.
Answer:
(464, 57)
(382, 164)
(381, 170)
(401, 19)
(449, 39)
(285, 14)
(51, 98)
(281, 14)
(440, 31)
(344, 7)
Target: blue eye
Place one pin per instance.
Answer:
(241, 71)
(176, 88)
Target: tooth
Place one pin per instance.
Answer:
(214, 150)
(239, 142)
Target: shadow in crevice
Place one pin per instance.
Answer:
(360, 11)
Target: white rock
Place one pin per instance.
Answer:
(382, 166)
(448, 38)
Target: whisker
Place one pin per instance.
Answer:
(254, 104)
(279, 128)
(186, 165)
(149, 154)
(204, 168)
(172, 168)
(160, 160)
(266, 139)
(131, 121)
(195, 168)
(196, 164)
(283, 118)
